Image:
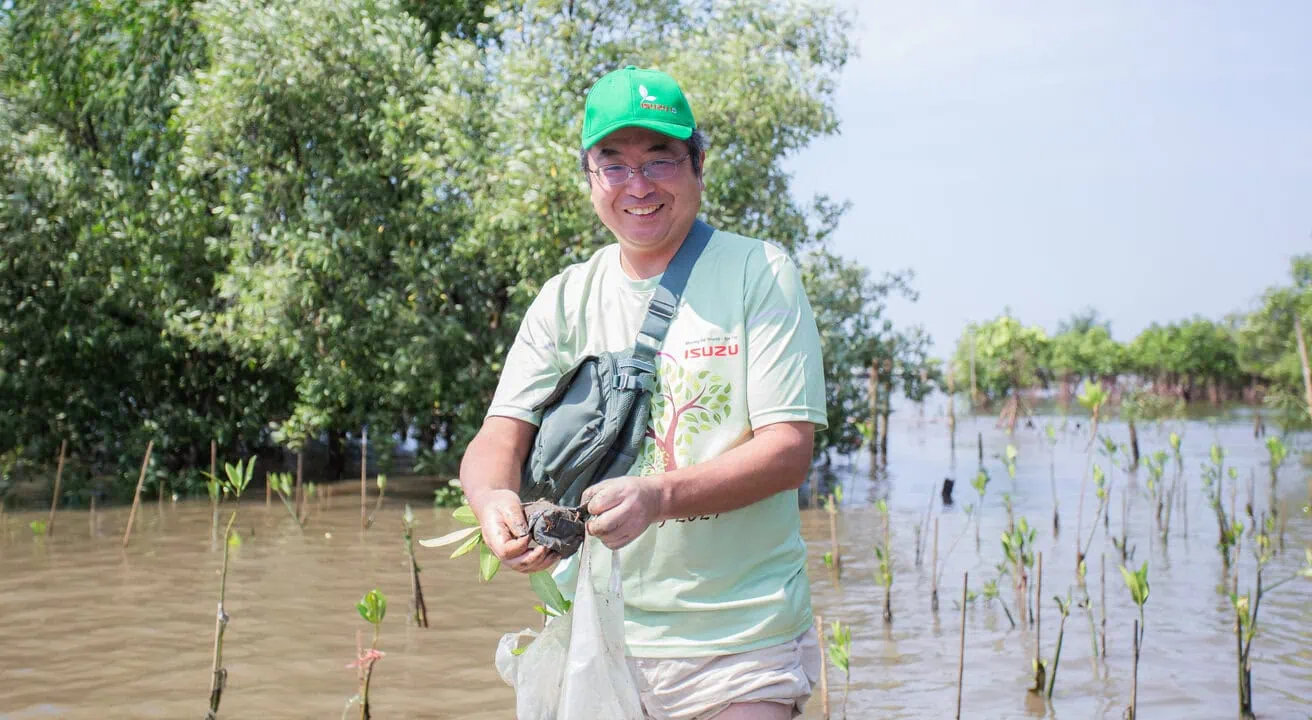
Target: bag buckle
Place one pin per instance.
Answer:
(633, 382)
(659, 307)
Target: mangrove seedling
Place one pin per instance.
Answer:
(1039, 666)
(1093, 397)
(834, 557)
(981, 484)
(1064, 606)
(38, 527)
(990, 592)
(1018, 547)
(884, 574)
(219, 678)
(1137, 583)
(1100, 489)
(840, 654)
(1213, 476)
(1157, 494)
(471, 538)
(1277, 452)
(373, 608)
(282, 485)
(1052, 475)
(418, 610)
(1246, 607)
(381, 482)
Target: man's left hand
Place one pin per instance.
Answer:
(622, 508)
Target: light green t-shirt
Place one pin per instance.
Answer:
(742, 352)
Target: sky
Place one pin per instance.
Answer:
(1152, 160)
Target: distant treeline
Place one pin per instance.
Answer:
(1248, 356)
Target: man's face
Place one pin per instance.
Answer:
(645, 214)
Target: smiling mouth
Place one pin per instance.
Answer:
(644, 210)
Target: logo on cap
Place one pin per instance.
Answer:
(649, 101)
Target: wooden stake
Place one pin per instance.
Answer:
(300, 499)
(1134, 678)
(136, 497)
(54, 501)
(824, 667)
(364, 489)
(91, 518)
(933, 576)
(1039, 672)
(961, 659)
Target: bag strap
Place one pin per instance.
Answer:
(665, 300)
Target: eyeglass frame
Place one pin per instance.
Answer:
(634, 171)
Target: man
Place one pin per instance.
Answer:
(718, 616)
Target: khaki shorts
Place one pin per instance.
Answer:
(699, 688)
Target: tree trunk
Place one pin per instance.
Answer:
(1302, 358)
(1134, 447)
(336, 455)
(874, 407)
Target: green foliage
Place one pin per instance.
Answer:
(840, 647)
(1008, 356)
(1137, 583)
(272, 223)
(1276, 452)
(553, 603)
(373, 607)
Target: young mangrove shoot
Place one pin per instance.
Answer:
(1064, 606)
(1246, 607)
(840, 654)
(418, 610)
(219, 677)
(1213, 477)
(373, 608)
(381, 482)
(1137, 583)
(884, 573)
(282, 484)
(471, 538)
(1093, 397)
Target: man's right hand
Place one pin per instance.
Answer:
(505, 530)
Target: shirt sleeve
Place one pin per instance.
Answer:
(785, 368)
(532, 366)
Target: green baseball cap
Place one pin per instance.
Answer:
(636, 97)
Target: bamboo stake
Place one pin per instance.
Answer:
(961, 659)
(1040, 674)
(54, 501)
(91, 517)
(824, 668)
(136, 497)
(933, 576)
(364, 488)
(1134, 678)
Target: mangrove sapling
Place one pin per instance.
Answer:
(1181, 482)
(990, 592)
(884, 574)
(1040, 669)
(1100, 489)
(472, 538)
(1246, 607)
(1212, 487)
(834, 558)
(281, 483)
(981, 484)
(418, 610)
(1109, 450)
(1052, 476)
(381, 482)
(1276, 452)
(1064, 606)
(1137, 583)
(1017, 546)
(373, 608)
(1157, 494)
(219, 677)
(840, 654)
(1092, 396)
(1122, 543)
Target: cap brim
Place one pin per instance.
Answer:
(674, 130)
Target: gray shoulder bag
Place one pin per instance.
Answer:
(594, 421)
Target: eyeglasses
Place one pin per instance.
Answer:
(616, 174)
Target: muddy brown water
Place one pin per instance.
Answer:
(89, 629)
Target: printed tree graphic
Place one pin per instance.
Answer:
(684, 405)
